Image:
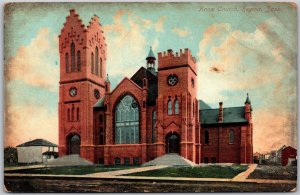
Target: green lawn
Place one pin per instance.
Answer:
(71, 170)
(211, 171)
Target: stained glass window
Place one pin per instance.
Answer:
(169, 107)
(176, 106)
(127, 121)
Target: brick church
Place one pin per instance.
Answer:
(153, 113)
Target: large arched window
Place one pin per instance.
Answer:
(170, 111)
(231, 136)
(101, 67)
(72, 57)
(127, 121)
(96, 60)
(92, 63)
(67, 62)
(78, 61)
(153, 125)
(176, 106)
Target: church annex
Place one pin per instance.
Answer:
(154, 112)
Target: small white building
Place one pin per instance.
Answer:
(37, 151)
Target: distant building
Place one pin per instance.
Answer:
(36, 151)
(288, 155)
(258, 158)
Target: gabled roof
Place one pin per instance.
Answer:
(203, 105)
(37, 142)
(152, 83)
(231, 115)
(100, 103)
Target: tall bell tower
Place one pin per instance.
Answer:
(82, 82)
(177, 105)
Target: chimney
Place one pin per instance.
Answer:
(220, 112)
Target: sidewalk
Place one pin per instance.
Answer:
(125, 171)
(243, 176)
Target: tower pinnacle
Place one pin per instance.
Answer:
(151, 60)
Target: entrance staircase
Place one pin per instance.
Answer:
(171, 159)
(69, 160)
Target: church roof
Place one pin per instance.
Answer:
(231, 115)
(152, 83)
(100, 103)
(203, 105)
(37, 142)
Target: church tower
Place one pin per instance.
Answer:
(178, 118)
(82, 82)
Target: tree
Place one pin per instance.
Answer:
(10, 155)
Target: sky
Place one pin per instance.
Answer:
(240, 48)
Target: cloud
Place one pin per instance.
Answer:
(26, 64)
(127, 42)
(181, 32)
(28, 122)
(159, 25)
(263, 62)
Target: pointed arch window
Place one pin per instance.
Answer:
(176, 106)
(127, 121)
(68, 114)
(77, 114)
(72, 114)
(78, 61)
(153, 125)
(231, 136)
(101, 67)
(73, 57)
(67, 62)
(92, 63)
(170, 109)
(96, 61)
(206, 137)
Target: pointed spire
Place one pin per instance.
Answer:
(151, 54)
(248, 100)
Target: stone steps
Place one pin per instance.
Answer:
(172, 159)
(69, 160)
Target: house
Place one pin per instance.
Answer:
(36, 151)
(288, 156)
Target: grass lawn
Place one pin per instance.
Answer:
(210, 171)
(71, 170)
(274, 172)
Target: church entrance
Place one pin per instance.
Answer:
(172, 143)
(74, 144)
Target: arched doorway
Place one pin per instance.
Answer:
(74, 144)
(172, 143)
